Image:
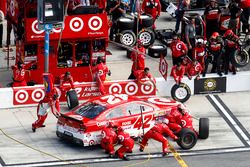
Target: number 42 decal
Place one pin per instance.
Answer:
(146, 122)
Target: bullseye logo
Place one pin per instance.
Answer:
(115, 88)
(131, 88)
(34, 27)
(178, 46)
(37, 95)
(163, 67)
(95, 23)
(12, 7)
(21, 96)
(147, 89)
(76, 24)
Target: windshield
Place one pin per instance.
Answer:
(90, 110)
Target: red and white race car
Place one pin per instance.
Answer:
(83, 124)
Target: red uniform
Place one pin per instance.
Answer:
(152, 7)
(101, 4)
(109, 138)
(18, 76)
(193, 70)
(156, 133)
(141, 76)
(138, 59)
(178, 48)
(127, 144)
(101, 71)
(50, 101)
(199, 54)
(178, 74)
(64, 79)
(244, 4)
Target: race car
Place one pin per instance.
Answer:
(135, 115)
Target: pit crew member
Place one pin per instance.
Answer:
(109, 138)
(66, 78)
(19, 75)
(157, 133)
(194, 69)
(143, 76)
(230, 45)
(138, 58)
(178, 72)
(200, 52)
(182, 6)
(127, 144)
(178, 48)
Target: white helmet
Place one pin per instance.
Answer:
(199, 41)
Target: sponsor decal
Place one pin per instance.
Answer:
(210, 85)
(95, 23)
(76, 24)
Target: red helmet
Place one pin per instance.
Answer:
(215, 35)
(228, 33)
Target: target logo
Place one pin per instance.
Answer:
(57, 30)
(37, 95)
(178, 46)
(21, 96)
(95, 23)
(12, 8)
(183, 123)
(121, 138)
(131, 88)
(163, 67)
(34, 27)
(115, 88)
(91, 142)
(147, 89)
(76, 24)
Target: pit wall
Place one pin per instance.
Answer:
(212, 83)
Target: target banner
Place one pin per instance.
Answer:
(32, 95)
(163, 67)
(75, 27)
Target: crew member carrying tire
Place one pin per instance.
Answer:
(50, 101)
(178, 72)
(19, 75)
(230, 45)
(179, 49)
(194, 69)
(127, 144)
(153, 8)
(66, 78)
(109, 138)
(138, 58)
(157, 133)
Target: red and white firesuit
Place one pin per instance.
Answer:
(101, 71)
(199, 54)
(194, 69)
(126, 141)
(156, 133)
(138, 58)
(153, 8)
(109, 138)
(66, 79)
(50, 101)
(178, 119)
(177, 73)
(179, 49)
(18, 76)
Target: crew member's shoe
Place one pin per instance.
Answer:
(33, 129)
(141, 149)
(126, 158)
(165, 153)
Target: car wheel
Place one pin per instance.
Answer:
(181, 92)
(203, 128)
(127, 38)
(157, 50)
(240, 58)
(72, 99)
(146, 21)
(147, 37)
(125, 23)
(187, 139)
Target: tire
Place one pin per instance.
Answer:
(203, 128)
(187, 139)
(181, 92)
(157, 50)
(240, 58)
(72, 99)
(127, 38)
(125, 23)
(147, 37)
(145, 21)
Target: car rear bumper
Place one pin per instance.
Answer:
(70, 138)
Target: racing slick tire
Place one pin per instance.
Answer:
(145, 21)
(125, 23)
(147, 37)
(181, 92)
(240, 58)
(203, 128)
(157, 50)
(127, 38)
(72, 99)
(187, 139)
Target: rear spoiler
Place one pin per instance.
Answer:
(71, 118)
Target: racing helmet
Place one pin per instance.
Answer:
(228, 34)
(215, 35)
(200, 42)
